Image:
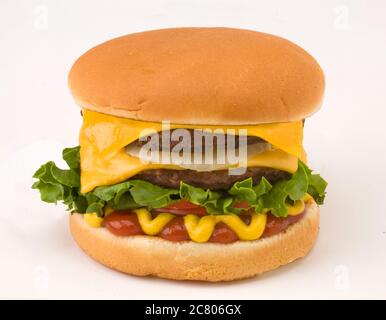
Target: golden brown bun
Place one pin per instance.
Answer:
(146, 255)
(199, 76)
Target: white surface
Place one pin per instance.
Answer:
(345, 142)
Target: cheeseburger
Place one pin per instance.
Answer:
(190, 163)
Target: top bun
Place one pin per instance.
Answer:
(199, 76)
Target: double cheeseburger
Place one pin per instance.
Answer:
(184, 220)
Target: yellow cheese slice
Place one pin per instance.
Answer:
(104, 137)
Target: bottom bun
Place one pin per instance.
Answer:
(148, 255)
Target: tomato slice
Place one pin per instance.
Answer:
(276, 225)
(183, 207)
(244, 204)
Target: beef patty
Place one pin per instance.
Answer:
(215, 143)
(214, 180)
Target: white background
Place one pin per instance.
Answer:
(39, 40)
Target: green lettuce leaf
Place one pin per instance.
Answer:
(287, 191)
(262, 187)
(214, 202)
(72, 157)
(134, 194)
(51, 193)
(316, 186)
(147, 194)
(55, 184)
(243, 190)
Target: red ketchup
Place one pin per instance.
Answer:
(125, 223)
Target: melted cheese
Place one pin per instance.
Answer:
(200, 229)
(104, 137)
